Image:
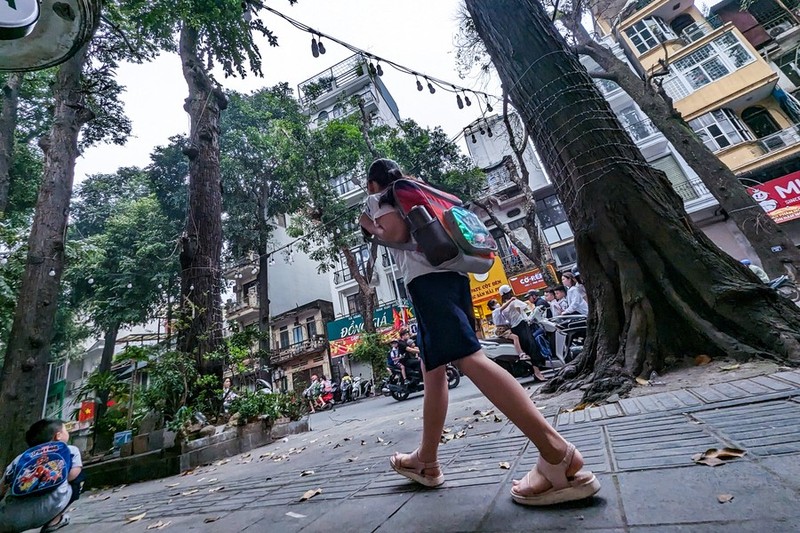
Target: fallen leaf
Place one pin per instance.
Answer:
(446, 430)
(189, 492)
(104, 498)
(223, 462)
(715, 457)
(497, 418)
(119, 488)
(159, 525)
(351, 459)
(347, 438)
(264, 455)
(135, 508)
(295, 515)
(710, 461)
(702, 359)
(307, 495)
(461, 434)
(724, 498)
(400, 423)
(216, 489)
(201, 480)
(379, 440)
(643, 382)
(132, 519)
(306, 473)
(172, 485)
(188, 473)
(338, 444)
(729, 367)
(505, 465)
(363, 442)
(209, 519)
(212, 480)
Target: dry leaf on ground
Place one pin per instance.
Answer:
(135, 508)
(307, 495)
(209, 519)
(216, 489)
(379, 440)
(132, 519)
(159, 525)
(505, 465)
(724, 498)
(400, 423)
(172, 485)
(643, 382)
(497, 418)
(189, 492)
(702, 359)
(306, 473)
(295, 515)
(729, 367)
(715, 457)
(351, 459)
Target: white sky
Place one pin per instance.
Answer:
(418, 34)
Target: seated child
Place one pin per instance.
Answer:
(37, 492)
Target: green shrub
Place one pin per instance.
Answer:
(251, 406)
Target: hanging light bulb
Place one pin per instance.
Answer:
(321, 46)
(489, 131)
(488, 105)
(483, 132)
(129, 285)
(379, 69)
(271, 260)
(372, 70)
(474, 140)
(459, 101)
(90, 281)
(160, 285)
(431, 88)
(419, 85)
(191, 287)
(467, 100)
(52, 273)
(254, 271)
(314, 47)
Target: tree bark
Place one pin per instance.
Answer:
(758, 227)
(201, 333)
(103, 442)
(366, 293)
(24, 377)
(656, 284)
(8, 123)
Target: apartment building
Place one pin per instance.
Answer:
(731, 75)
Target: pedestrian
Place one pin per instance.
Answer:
(757, 270)
(445, 319)
(312, 393)
(576, 303)
(502, 328)
(227, 394)
(552, 309)
(23, 507)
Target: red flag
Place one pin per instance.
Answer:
(397, 319)
(87, 412)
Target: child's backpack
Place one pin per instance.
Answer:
(41, 469)
(450, 236)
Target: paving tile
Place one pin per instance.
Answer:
(792, 377)
(428, 511)
(630, 406)
(787, 467)
(688, 495)
(738, 526)
(708, 394)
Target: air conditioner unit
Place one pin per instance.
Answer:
(779, 29)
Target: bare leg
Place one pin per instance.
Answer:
(517, 345)
(434, 411)
(509, 396)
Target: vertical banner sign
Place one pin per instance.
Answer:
(484, 287)
(780, 197)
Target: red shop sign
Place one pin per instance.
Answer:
(532, 279)
(780, 197)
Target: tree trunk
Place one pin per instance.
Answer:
(758, 227)
(8, 123)
(366, 293)
(103, 442)
(201, 333)
(263, 304)
(657, 285)
(24, 376)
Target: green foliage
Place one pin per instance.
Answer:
(171, 376)
(168, 174)
(372, 348)
(270, 406)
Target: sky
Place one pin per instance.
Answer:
(419, 34)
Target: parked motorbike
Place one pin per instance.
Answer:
(786, 288)
(395, 387)
(361, 387)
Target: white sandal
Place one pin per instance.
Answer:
(417, 474)
(582, 485)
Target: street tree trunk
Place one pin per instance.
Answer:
(366, 292)
(264, 232)
(656, 284)
(103, 442)
(758, 227)
(201, 306)
(23, 381)
(8, 123)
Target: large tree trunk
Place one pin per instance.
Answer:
(103, 442)
(656, 284)
(366, 292)
(24, 377)
(8, 123)
(201, 282)
(758, 227)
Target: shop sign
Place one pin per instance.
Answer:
(532, 279)
(780, 197)
(484, 287)
(344, 333)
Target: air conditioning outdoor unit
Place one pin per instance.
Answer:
(779, 29)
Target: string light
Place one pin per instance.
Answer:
(321, 46)
(489, 131)
(474, 140)
(91, 281)
(191, 287)
(459, 101)
(431, 88)
(379, 69)
(314, 47)
(467, 100)
(52, 273)
(489, 108)
(372, 70)
(129, 285)
(254, 271)
(419, 85)
(160, 285)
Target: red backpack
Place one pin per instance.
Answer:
(450, 236)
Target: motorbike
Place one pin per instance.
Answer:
(361, 388)
(395, 387)
(786, 288)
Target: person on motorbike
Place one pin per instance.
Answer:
(347, 387)
(409, 354)
(515, 312)
(393, 359)
(312, 392)
(561, 303)
(502, 328)
(326, 392)
(446, 322)
(576, 303)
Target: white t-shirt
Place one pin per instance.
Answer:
(516, 312)
(19, 514)
(575, 302)
(411, 264)
(499, 318)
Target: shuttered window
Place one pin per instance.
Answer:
(669, 166)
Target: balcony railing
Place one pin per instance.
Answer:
(695, 32)
(280, 355)
(513, 264)
(690, 189)
(332, 78)
(641, 130)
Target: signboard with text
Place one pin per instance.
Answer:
(484, 287)
(526, 281)
(780, 197)
(344, 333)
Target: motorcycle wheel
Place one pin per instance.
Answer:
(453, 379)
(400, 396)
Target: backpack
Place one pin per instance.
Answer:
(41, 469)
(450, 236)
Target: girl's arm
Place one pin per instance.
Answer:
(389, 227)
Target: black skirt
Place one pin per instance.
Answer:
(445, 318)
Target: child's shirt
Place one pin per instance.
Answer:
(30, 512)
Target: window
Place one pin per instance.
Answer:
(649, 33)
(681, 22)
(760, 121)
(638, 128)
(322, 118)
(342, 184)
(338, 111)
(311, 327)
(565, 255)
(720, 129)
(790, 66)
(669, 166)
(280, 220)
(401, 287)
(352, 306)
(284, 336)
(712, 61)
(550, 211)
(297, 334)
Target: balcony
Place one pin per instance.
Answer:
(639, 131)
(690, 189)
(333, 78)
(305, 347)
(514, 264)
(698, 30)
(752, 154)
